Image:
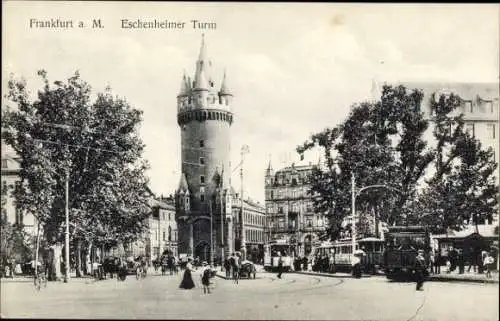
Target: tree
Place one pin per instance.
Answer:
(381, 143)
(94, 143)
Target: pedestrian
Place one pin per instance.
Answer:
(280, 265)
(206, 275)
(187, 280)
(437, 265)
(461, 262)
(227, 268)
(420, 270)
(488, 264)
(356, 266)
(473, 259)
(432, 259)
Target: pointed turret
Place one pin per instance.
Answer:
(269, 170)
(224, 90)
(183, 187)
(184, 85)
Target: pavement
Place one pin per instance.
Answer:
(294, 297)
(442, 277)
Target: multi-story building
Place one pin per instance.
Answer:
(162, 228)
(203, 200)
(10, 180)
(252, 222)
(289, 208)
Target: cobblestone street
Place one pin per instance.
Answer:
(292, 297)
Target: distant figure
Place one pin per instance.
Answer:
(280, 265)
(461, 262)
(227, 268)
(206, 275)
(437, 264)
(187, 280)
(420, 270)
(356, 266)
(488, 264)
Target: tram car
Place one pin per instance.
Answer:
(402, 249)
(371, 261)
(272, 250)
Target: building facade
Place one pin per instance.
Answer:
(289, 209)
(252, 222)
(203, 200)
(10, 180)
(162, 234)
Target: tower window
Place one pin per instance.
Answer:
(202, 161)
(202, 143)
(202, 179)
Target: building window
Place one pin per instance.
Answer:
(202, 143)
(169, 233)
(491, 131)
(164, 236)
(4, 163)
(202, 161)
(280, 210)
(202, 198)
(309, 222)
(469, 128)
(202, 179)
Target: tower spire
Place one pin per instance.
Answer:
(223, 89)
(202, 67)
(184, 84)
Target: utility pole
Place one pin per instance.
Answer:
(244, 150)
(66, 277)
(211, 233)
(353, 205)
(222, 221)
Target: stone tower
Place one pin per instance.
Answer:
(204, 116)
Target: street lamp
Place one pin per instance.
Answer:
(244, 150)
(353, 199)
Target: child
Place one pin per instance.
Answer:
(206, 274)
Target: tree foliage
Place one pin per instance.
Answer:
(63, 133)
(383, 143)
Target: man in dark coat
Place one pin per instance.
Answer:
(420, 270)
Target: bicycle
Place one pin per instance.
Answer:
(40, 280)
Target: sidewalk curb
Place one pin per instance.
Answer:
(430, 279)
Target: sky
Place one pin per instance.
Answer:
(294, 68)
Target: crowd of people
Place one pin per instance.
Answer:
(479, 261)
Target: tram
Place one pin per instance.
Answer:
(272, 250)
(371, 261)
(401, 251)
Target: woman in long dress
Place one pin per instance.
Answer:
(187, 280)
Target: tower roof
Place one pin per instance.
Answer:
(200, 81)
(269, 169)
(183, 185)
(224, 89)
(184, 85)
(202, 68)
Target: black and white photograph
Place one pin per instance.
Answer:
(250, 160)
